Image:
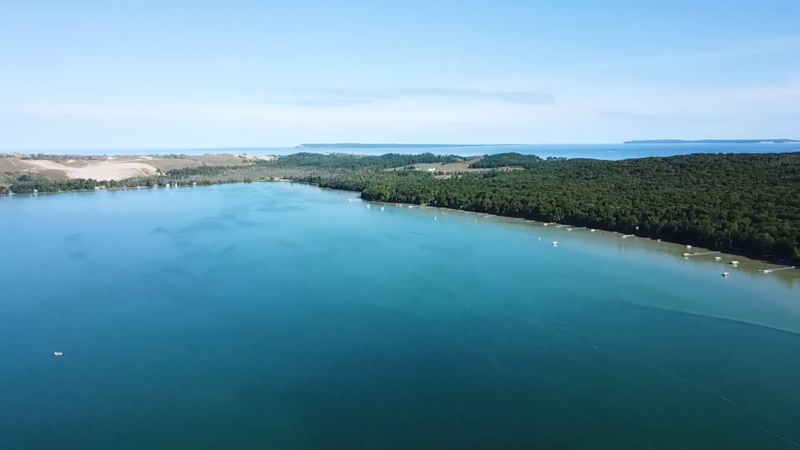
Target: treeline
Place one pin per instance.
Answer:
(341, 161)
(510, 160)
(747, 204)
(39, 185)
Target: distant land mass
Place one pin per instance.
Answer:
(352, 145)
(715, 141)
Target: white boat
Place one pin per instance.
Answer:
(718, 258)
(734, 263)
(725, 274)
(539, 239)
(381, 208)
(555, 243)
(592, 230)
(57, 354)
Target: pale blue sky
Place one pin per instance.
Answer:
(177, 74)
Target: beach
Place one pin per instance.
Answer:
(698, 255)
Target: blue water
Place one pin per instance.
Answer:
(594, 151)
(283, 316)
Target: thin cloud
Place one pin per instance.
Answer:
(337, 97)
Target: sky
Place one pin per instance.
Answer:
(257, 73)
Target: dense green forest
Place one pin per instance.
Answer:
(358, 162)
(747, 204)
(738, 203)
(509, 160)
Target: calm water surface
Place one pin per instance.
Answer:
(287, 317)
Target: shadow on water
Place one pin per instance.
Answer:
(78, 255)
(160, 230)
(72, 238)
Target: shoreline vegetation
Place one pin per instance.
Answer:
(739, 204)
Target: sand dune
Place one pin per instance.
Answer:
(114, 167)
(101, 171)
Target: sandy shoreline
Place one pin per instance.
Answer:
(116, 168)
(747, 265)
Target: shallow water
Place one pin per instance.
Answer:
(284, 316)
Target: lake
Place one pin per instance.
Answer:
(282, 316)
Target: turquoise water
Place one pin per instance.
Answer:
(286, 317)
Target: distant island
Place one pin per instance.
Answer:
(715, 141)
(353, 145)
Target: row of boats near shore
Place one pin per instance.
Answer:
(686, 255)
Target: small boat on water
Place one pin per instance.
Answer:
(57, 354)
(725, 274)
(592, 230)
(555, 243)
(718, 258)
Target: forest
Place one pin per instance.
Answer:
(739, 203)
(358, 162)
(745, 204)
